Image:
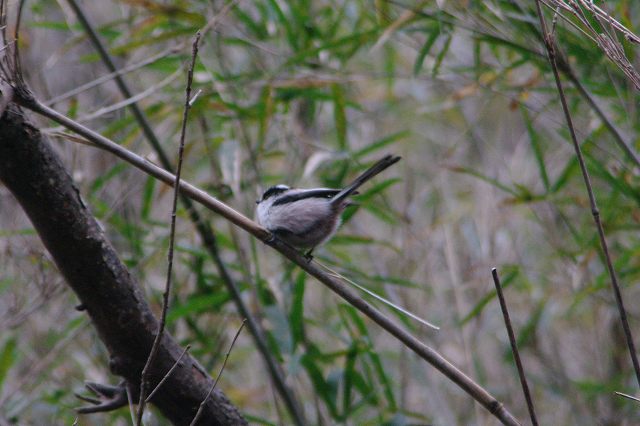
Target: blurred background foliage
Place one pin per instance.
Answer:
(310, 93)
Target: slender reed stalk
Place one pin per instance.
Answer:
(550, 46)
(174, 207)
(224, 363)
(514, 347)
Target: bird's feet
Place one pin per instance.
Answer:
(309, 256)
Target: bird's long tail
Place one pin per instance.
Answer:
(378, 167)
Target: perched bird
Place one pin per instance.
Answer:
(306, 218)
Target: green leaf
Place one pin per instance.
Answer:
(528, 332)
(198, 304)
(617, 183)
(284, 23)
(569, 170)
(424, 50)
(376, 189)
(8, 356)
(255, 420)
(349, 374)
(344, 239)
(147, 198)
(440, 57)
(296, 316)
(252, 26)
(527, 51)
(506, 281)
(492, 181)
(103, 179)
(381, 143)
(357, 39)
(54, 25)
(324, 389)
(280, 328)
(383, 378)
(373, 357)
(339, 116)
(266, 103)
(381, 214)
(536, 146)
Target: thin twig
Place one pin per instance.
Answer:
(7, 45)
(605, 39)
(132, 411)
(631, 397)
(598, 14)
(16, 46)
(514, 348)
(567, 20)
(224, 363)
(551, 55)
(174, 208)
(3, 22)
(166, 376)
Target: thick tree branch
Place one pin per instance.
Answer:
(125, 323)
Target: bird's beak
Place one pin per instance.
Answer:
(257, 201)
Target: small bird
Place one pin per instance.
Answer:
(306, 218)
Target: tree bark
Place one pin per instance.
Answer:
(35, 175)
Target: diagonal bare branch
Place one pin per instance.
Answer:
(428, 354)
